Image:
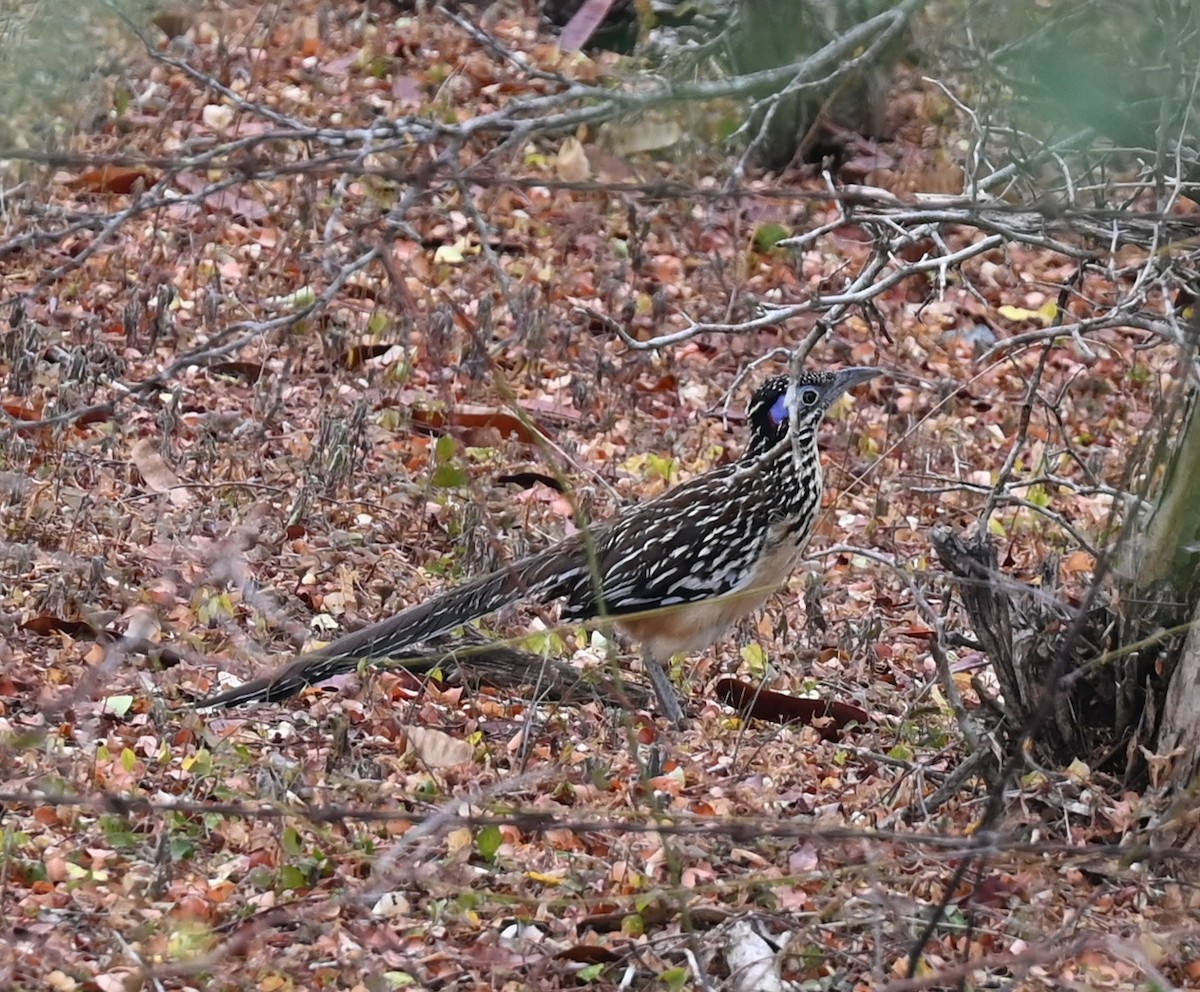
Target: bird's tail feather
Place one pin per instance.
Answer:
(538, 577)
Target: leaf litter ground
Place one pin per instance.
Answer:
(390, 834)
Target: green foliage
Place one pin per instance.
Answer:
(291, 843)
(674, 978)
(755, 659)
(118, 706)
(201, 763)
(117, 833)
(182, 848)
(292, 877)
(215, 609)
(547, 643)
(448, 472)
(769, 235)
(488, 842)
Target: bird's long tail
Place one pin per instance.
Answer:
(539, 577)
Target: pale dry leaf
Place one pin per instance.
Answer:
(116, 981)
(439, 750)
(572, 164)
(644, 135)
(157, 475)
(753, 966)
(217, 116)
(391, 905)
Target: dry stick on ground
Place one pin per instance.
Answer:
(480, 662)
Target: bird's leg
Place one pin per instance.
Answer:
(668, 700)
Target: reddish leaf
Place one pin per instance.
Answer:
(588, 954)
(111, 179)
(98, 416)
(173, 23)
(779, 707)
(470, 417)
(21, 411)
(583, 25)
(45, 625)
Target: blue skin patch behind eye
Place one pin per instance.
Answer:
(779, 410)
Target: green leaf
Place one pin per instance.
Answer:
(182, 849)
(118, 706)
(769, 235)
(292, 844)
(378, 323)
(675, 978)
(1043, 315)
(546, 643)
(291, 877)
(216, 609)
(452, 254)
(444, 449)
(756, 659)
(660, 466)
(122, 98)
(129, 760)
(303, 297)
(590, 973)
(488, 841)
(449, 477)
(117, 833)
(1038, 496)
(199, 763)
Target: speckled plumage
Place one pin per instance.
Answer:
(700, 556)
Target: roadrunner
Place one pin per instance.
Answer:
(674, 571)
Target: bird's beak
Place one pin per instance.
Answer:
(848, 379)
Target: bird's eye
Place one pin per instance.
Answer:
(809, 396)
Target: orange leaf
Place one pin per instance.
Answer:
(111, 179)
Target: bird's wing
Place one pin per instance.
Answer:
(686, 547)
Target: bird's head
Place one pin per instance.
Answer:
(810, 395)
